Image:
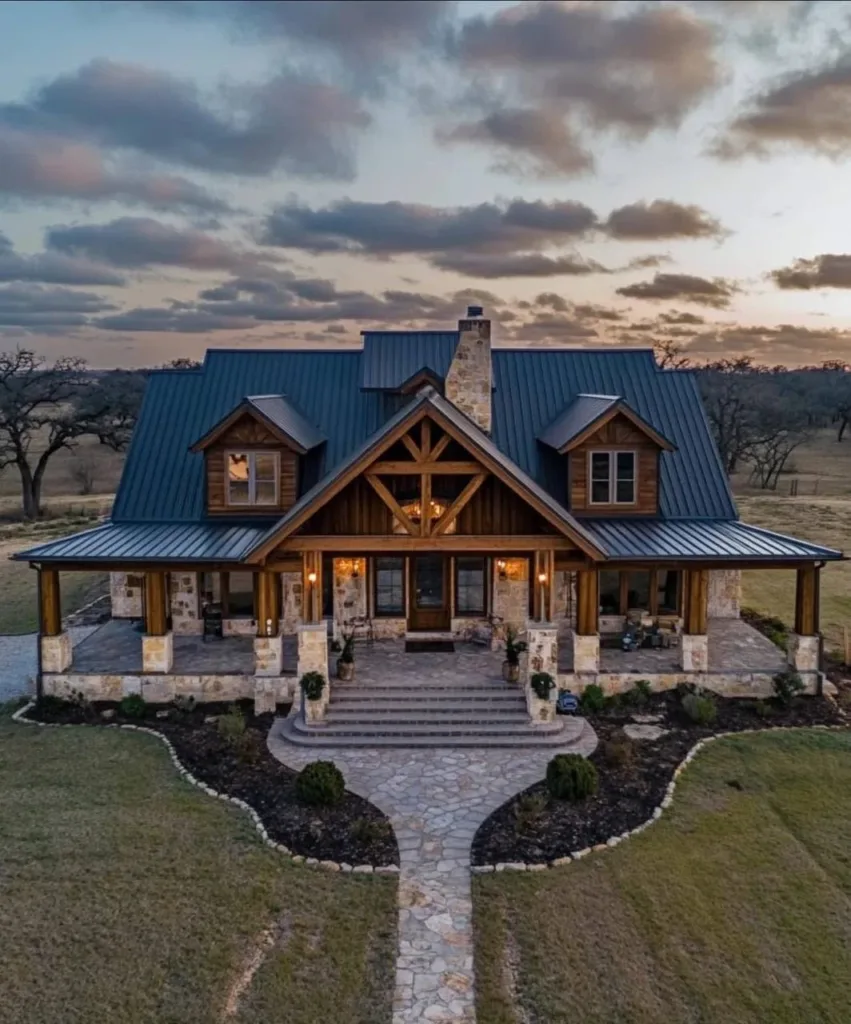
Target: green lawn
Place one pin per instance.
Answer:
(128, 896)
(734, 909)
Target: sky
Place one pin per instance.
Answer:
(176, 176)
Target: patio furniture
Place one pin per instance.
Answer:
(360, 628)
(211, 615)
(567, 703)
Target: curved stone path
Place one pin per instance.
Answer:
(436, 800)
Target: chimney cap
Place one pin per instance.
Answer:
(475, 311)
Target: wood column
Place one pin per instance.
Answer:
(807, 587)
(268, 594)
(695, 600)
(541, 595)
(156, 604)
(587, 602)
(50, 607)
(312, 599)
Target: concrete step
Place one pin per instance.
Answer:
(435, 716)
(360, 692)
(569, 735)
(410, 728)
(398, 702)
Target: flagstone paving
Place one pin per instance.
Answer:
(435, 799)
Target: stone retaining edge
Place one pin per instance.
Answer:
(667, 800)
(327, 865)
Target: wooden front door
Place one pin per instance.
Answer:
(429, 589)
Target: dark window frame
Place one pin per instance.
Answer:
(613, 479)
(472, 612)
(394, 612)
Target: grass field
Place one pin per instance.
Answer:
(128, 896)
(735, 908)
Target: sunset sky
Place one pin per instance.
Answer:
(176, 176)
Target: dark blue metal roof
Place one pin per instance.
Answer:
(578, 416)
(163, 480)
(699, 539)
(278, 409)
(147, 542)
(391, 358)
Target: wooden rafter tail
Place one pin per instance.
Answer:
(452, 513)
(381, 490)
(412, 447)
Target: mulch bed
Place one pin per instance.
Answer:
(627, 795)
(351, 832)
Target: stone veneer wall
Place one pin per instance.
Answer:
(125, 590)
(511, 595)
(564, 602)
(469, 379)
(185, 604)
(161, 689)
(725, 593)
(729, 684)
(349, 591)
(292, 602)
(389, 629)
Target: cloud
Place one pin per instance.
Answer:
(535, 142)
(395, 228)
(142, 242)
(35, 306)
(829, 270)
(40, 165)
(661, 218)
(291, 123)
(176, 320)
(717, 292)
(585, 68)
(809, 109)
(52, 268)
(529, 264)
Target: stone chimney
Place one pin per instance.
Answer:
(469, 380)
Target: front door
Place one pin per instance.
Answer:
(429, 607)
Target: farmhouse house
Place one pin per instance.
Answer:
(424, 484)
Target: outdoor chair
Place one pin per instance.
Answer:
(211, 615)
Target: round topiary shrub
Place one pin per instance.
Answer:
(320, 784)
(571, 777)
(313, 683)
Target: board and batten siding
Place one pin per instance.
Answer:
(616, 435)
(249, 435)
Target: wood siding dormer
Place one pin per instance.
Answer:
(618, 434)
(247, 434)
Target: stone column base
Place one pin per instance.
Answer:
(694, 652)
(56, 653)
(158, 653)
(586, 653)
(802, 653)
(265, 696)
(313, 657)
(268, 655)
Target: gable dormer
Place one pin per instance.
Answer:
(253, 457)
(612, 456)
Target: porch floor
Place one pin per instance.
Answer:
(116, 649)
(734, 646)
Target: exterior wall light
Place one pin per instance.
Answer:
(501, 567)
(311, 577)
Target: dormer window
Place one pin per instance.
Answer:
(613, 477)
(252, 478)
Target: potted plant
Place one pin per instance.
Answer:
(346, 661)
(513, 649)
(313, 687)
(542, 684)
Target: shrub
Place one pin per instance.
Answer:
(320, 784)
(133, 706)
(787, 686)
(593, 699)
(348, 653)
(571, 777)
(370, 830)
(760, 708)
(618, 751)
(701, 710)
(542, 684)
(528, 809)
(231, 726)
(639, 694)
(248, 747)
(513, 647)
(313, 683)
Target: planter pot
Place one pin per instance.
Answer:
(345, 669)
(510, 673)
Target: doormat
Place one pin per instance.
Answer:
(429, 647)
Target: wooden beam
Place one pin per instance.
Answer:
(623, 593)
(389, 500)
(50, 611)
(425, 438)
(312, 601)
(807, 601)
(381, 543)
(695, 601)
(411, 445)
(268, 603)
(451, 513)
(587, 602)
(156, 604)
(440, 447)
(396, 468)
(425, 499)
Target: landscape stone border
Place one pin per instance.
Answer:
(327, 865)
(667, 800)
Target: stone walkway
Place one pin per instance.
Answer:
(19, 661)
(435, 799)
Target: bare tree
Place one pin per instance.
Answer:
(728, 388)
(84, 473)
(109, 407)
(37, 418)
(670, 355)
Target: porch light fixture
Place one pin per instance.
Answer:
(542, 579)
(311, 577)
(501, 567)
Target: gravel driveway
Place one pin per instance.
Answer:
(19, 660)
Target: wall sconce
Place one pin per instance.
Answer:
(500, 568)
(542, 579)
(311, 577)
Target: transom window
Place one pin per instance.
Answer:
(253, 478)
(389, 576)
(612, 478)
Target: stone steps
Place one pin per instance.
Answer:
(429, 716)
